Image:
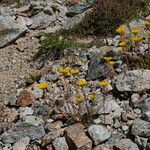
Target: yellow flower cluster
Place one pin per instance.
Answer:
(121, 29)
(107, 58)
(68, 70)
(137, 38)
(135, 31)
(111, 62)
(74, 71)
(79, 98)
(104, 83)
(42, 86)
(92, 96)
(122, 44)
(81, 82)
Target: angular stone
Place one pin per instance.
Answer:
(134, 80)
(51, 136)
(114, 139)
(53, 126)
(126, 144)
(41, 20)
(49, 147)
(98, 133)
(141, 142)
(25, 98)
(77, 139)
(96, 69)
(22, 130)
(141, 128)
(143, 104)
(10, 30)
(60, 144)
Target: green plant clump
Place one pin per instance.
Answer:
(53, 45)
(107, 15)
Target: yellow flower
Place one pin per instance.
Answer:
(122, 44)
(121, 29)
(92, 96)
(111, 62)
(74, 71)
(108, 58)
(135, 31)
(137, 38)
(81, 82)
(147, 23)
(64, 70)
(104, 83)
(42, 86)
(79, 98)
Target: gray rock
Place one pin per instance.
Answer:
(134, 80)
(141, 128)
(20, 131)
(110, 106)
(11, 99)
(96, 69)
(5, 11)
(42, 110)
(116, 124)
(126, 144)
(114, 139)
(7, 147)
(10, 30)
(75, 10)
(60, 144)
(38, 93)
(21, 144)
(141, 142)
(24, 111)
(48, 10)
(68, 23)
(146, 116)
(34, 120)
(143, 104)
(98, 133)
(41, 21)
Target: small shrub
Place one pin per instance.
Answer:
(107, 15)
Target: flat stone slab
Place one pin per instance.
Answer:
(10, 30)
(20, 131)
